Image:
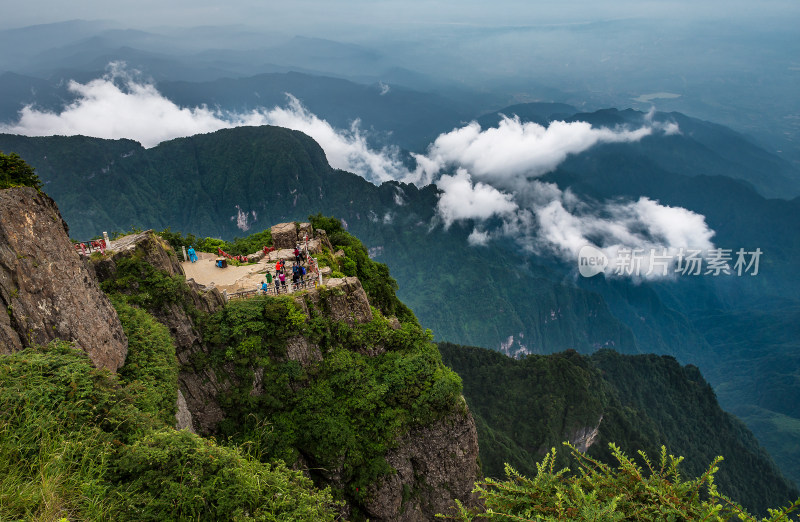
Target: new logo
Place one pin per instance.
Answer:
(591, 261)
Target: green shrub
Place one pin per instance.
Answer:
(343, 412)
(74, 445)
(171, 475)
(14, 172)
(151, 367)
(60, 420)
(375, 278)
(238, 247)
(145, 286)
(597, 491)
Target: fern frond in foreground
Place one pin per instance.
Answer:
(597, 491)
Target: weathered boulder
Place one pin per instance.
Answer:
(284, 235)
(287, 254)
(46, 290)
(255, 257)
(342, 299)
(314, 246)
(323, 237)
(436, 463)
(145, 245)
(305, 230)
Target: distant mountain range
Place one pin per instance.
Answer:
(740, 76)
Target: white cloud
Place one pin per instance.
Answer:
(461, 199)
(478, 238)
(346, 150)
(513, 151)
(106, 110)
(644, 225)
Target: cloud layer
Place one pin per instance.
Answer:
(515, 150)
(482, 173)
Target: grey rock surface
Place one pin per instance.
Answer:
(46, 290)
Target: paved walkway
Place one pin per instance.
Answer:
(236, 278)
(232, 278)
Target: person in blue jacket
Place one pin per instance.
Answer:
(192, 254)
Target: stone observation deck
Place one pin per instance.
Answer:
(245, 281)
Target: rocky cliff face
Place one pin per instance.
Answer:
(437, 464)
(197, 404)
(46, 290)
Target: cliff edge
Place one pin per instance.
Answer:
(46, 289)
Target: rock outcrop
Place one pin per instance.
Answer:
(284, 235)
(435, 464)
(584, 438)
(46, 290)
(343, 299)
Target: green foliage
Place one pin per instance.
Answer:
(689, 419)
(250, 330)
(151, 367)
(173, 475)
(14, 172)
(344, 410)
(60, 420)
(597, 491)
(75, 445)
(146, 286)
(542, 400)
(375, 277)
(238, 247)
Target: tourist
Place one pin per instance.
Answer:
(192, 254)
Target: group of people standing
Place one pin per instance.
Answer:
(298, 274)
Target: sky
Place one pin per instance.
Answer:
(297, 14)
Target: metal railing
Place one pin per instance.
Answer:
(275, 288)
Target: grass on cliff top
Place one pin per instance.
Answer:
(75, 444)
